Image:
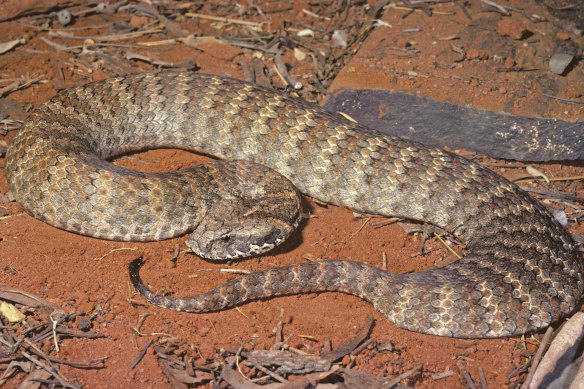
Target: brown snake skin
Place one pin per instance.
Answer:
(523, 271)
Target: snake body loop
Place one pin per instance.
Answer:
(523, 271)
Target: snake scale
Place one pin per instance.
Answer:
(522, 273)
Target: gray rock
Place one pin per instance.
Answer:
(559, 62)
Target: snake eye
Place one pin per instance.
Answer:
(226, 238)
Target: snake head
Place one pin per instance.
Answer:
(250, 209)
(219, 239)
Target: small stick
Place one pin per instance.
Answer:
(141, 355)
(175, 254)
(114, 250)
(223, 19)
(385, 222)
(235, 271)
(280, 327)
(282, 344)
(483, 378)
(157, 62)
(367, 219)
(442, 375)
(55, 45)
(19, 84)
(501, 9)
(96, 44)
(50, 369)
(351, 344)
(554, 193)
(462, 7)
(537, 357)
(516, 69)
(447, 246)
(79, 364)
(567, 101)
(248, 74)
(268, 372)
(250, 46)
(310, 13)
(570, 178)
(55, 322)
(140, 321)
(280, 67)
(467, 378)
(106, 38)
(393, 382)
(296, 351)
(363, 346)
(317, 82)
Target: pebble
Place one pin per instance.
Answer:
(84, 324)
(559, 62)
(401, 42)
(563, 36)
(64, 17)
(340, 38)
(511, 28)
(476, 54)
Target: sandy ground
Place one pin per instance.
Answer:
(85, 274)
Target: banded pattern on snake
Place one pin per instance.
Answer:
(523, 271)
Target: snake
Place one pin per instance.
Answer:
(522, 271)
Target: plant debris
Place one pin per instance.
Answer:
(28, 343)
(271, 368)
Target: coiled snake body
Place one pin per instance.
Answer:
(523, 271)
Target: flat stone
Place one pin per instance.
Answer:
(559, 62)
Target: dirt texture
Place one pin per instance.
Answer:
(438, 51)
